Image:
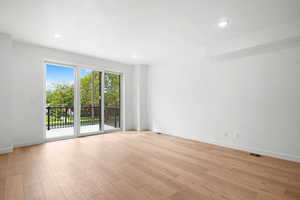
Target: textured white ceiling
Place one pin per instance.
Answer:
(153, 30)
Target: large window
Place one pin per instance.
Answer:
(81, 101)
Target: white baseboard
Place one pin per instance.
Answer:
(6, 149)
(294, 158)
(28, 144)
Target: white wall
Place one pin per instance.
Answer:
(5, 93)
(252, 95)
(28, 80)
(141, 87)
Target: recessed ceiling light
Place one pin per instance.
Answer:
(223, 23)
(134, 56)
(56, 36)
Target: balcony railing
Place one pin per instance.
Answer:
(63, 117)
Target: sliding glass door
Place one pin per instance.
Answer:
(60, 84)
(90, 101)
(81, 101)
(112, 101)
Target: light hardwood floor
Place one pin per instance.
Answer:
(137, 166)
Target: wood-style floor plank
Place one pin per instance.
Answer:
(34, 192)
(14, 188)
(143, 165)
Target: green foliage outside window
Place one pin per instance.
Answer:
(63, 94)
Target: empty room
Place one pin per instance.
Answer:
(150, 100)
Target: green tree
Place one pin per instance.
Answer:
(61, 95)
(90, 89)
(112, 90)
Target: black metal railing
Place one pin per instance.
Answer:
(63, 117)
(112, 116)
(90, 115)
(60, 117)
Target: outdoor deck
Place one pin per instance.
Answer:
(69, 131)
(60, 120)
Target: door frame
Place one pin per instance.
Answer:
(77, 106)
